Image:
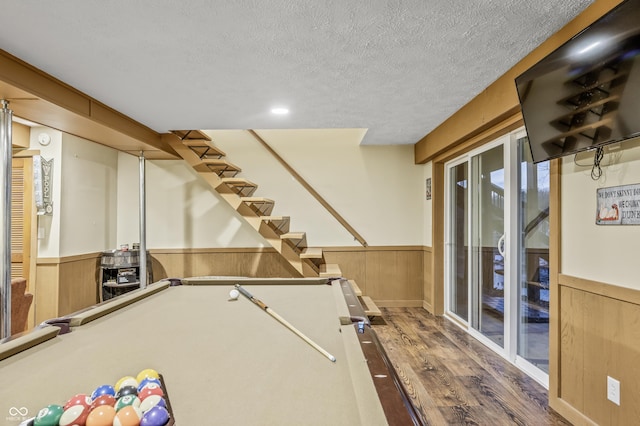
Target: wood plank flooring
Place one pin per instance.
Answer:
(455, 380)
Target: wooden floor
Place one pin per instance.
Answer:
(453, 379)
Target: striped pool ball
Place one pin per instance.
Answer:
(145, 382)
(74, 415)
(152, 401)
(126, 381)
(147, 373)
(79, 399)
(128, 416)
(126, 401)
(150, 389)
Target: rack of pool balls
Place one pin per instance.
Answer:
(132, 401)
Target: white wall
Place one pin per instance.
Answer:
(182, 210)
(377, 189)
(602, 253)
(88, 197)
(84, 196)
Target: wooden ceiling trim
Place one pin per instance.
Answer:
(38, 97)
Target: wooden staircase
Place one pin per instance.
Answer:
(197, 149)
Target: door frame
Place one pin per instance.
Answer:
(512, 183)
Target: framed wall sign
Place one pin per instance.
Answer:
(618, 205)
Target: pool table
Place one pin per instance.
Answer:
(222, 361)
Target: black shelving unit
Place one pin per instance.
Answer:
(120, 272)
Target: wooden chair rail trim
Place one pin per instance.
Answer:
(624, 294)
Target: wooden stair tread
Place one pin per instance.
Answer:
(262, 206)
(328, 270)
(370, 308)
(241, 186)
(256, 200)
(293, 235)
(297, 239)
(237, 181)
(279, 223)
(222, 168)
(204, 148)
(186, 135)
(355, 288)
(219, 162)
(312, 253)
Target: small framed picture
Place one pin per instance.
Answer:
(428, 189)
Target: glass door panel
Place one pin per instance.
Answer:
(533, 223)
(497, 250)
(458, 237)
(487, 244)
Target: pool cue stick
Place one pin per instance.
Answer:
(284, 322)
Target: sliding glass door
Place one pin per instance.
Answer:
(496, 257)
(533, 247)
(487, 243)
(457, 255)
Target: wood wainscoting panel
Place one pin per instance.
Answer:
(352, 264)
(391, 276)
(427, 285)
(45, 292)
(395, 278)
(594, 351)
(571, 346)
(65, 285)
(78, 283)
(251, 262)
(600, 337)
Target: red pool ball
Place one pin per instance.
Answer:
(79, 399)
(150, 389)
(76, 415)
(103, 400)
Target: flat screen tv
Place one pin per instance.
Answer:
(586, 93)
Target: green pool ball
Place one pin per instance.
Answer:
(125, 401)
(49, 415)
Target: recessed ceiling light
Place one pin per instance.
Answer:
(280, 111)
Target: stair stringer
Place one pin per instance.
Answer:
(298, 266)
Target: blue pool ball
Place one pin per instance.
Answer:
(156, 416)
(103, 390)
(146, 381)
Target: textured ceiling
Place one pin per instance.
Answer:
(398, 68)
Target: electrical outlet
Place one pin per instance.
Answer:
(613, 390)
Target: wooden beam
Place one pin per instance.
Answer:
(41, 98)
(500, 99)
